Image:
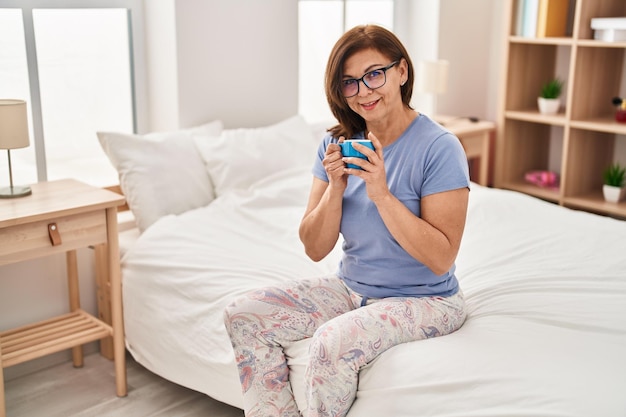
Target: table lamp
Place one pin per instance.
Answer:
(13, 135)
(432, 78)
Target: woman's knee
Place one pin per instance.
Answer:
(329, 349)
(239, 310)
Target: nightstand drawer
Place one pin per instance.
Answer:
(34, 239)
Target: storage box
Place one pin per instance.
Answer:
(609, 29)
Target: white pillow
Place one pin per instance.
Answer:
(161, 173)
(240, 157)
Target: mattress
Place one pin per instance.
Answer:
(545, 288)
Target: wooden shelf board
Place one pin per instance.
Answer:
(600, 44)
(595, 202)
(542, 41)
(601, 124)
(543, 193)
(591, 43)
(535, 117)
(50, 336)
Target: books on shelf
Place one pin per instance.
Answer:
(552, 18)
(543, 18)
(530, 10)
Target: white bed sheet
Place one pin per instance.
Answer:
(545, 289)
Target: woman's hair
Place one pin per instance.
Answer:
(355, 40)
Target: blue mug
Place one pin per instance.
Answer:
(348, 150)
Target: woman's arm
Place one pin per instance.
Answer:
(319, 228)
(435, 238)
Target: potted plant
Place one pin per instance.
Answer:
(548, 99)
(614, 188)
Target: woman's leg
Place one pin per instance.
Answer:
(262, 322)
(342, 346)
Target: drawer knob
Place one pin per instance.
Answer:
(53, 233)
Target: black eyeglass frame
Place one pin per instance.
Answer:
(362, 79)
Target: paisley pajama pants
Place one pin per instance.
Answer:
(347, 331)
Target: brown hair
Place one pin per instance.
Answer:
(355, 40)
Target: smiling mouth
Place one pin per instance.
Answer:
(369, 104)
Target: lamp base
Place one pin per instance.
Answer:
(13, 192)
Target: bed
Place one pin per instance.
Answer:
(545, 285)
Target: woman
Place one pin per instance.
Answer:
(401, 217)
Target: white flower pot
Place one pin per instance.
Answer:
(613, 194)
(548, 105)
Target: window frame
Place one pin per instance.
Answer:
(138, 71)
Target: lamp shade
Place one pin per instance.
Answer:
(13, 124)
(433, 77)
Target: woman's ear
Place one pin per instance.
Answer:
(403, 68)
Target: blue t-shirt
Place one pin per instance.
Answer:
(426, 159)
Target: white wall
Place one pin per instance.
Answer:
(470, 38)
(234, 65)
(233, 60)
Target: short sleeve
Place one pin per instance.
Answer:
(446, 166)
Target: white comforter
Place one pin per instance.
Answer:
(545, 289)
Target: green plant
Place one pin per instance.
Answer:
(614, 175)
(552, 89)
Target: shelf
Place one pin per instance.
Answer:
(50, 336)
(535, 117)
(583, 138)
(542, 41)
(543, 193)
(595, 202)
(605, 124)
(600, 44)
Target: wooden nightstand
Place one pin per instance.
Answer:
(61, 217)
(476, 139)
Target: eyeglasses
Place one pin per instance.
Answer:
(372, 80)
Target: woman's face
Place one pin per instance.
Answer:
(375, 104)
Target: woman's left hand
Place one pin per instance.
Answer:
(373, 169)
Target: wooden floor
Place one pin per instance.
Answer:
(65, 391)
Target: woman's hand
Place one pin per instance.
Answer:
(334, 166)
(373, 169)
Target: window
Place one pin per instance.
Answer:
(321, 23)
(74, 65)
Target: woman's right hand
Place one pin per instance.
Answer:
(334, 166)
